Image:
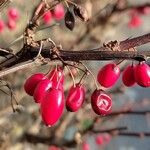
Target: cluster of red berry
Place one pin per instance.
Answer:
(13, 16)
(139, 73)
(135, 19)
(57, 13)
(49, 92)
(108, 76)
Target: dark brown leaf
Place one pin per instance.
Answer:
(69, 20)
(81, 12)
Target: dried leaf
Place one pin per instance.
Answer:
(81, 12)
(69, 20)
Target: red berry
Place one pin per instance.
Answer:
(106, 137)
(128, 76)
(85, 146)
(75, 98)
(13, 13)
(2, 25)
(135, 21)
(57, 75)
(52, 106)
(144, 10)
(32, 82)
(59, 12)
(47, 17)
(108, 75)
(41, 90)
(142, 74)
(53, 148)
(101, 102)
(11, 24)
(99, 139)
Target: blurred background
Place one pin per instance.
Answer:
(24, 130)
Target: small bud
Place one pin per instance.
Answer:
(69, 20)
(81, 12)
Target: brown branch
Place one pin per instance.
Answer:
(130, 112)
(101, 53)
(51, 141)
(134, 134)
(110, 130)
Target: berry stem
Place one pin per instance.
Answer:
(74, 4)
(71, 75)
(120, 62)
(82, 77)
(93, 77)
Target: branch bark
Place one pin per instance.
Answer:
(102, 53)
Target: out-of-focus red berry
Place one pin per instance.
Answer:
(11, 24)
(47, 17)
(144, 10)
(85, 146)
(99, 139)
(2, 25)
(53, 148)
(13, 13)
(135, 21)
(59, 12)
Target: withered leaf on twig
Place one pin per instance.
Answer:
(69, 20)
(81, 12)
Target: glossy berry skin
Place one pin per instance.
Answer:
(59, 12)
(75, 98)
(2, 25)
(128, 76)
(101, 103)
(11, 24)
(52, 106)
(47, 17)
(41, 89)
(108, 75)
(13, 13)
(85, 146)
(32, 82)
(142, 74)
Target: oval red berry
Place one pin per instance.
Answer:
(75, 98)
(101, 102)
(52, 106)
(32, 82)
(108, 75)
(142, 74)
(128, 76)
(41, 89)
